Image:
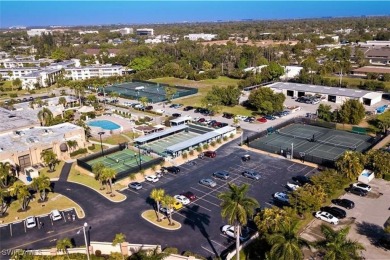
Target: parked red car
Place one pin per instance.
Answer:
(262, 120)
(191, 196)
(210, 154)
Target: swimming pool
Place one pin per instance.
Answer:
(104, 124)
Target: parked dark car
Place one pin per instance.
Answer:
(211, 122)
(357, 191)
(224, 124)
(269, 117)
(191, 196)
(148, 108)
(335, 211)
(345, 203)
(250, 119)
(221, 174)
(246, 158)
(301, 180)
(188, 108)
(176, 115)
(171, 169)
(228, 115)
(210, 154)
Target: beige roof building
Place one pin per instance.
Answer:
(24, 146)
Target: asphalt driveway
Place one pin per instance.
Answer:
(201, 220)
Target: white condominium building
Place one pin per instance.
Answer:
(93, 72)
(37, 32)
(200, 36)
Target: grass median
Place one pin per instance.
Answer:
(89, 181)
(36, 208)
(150, 216)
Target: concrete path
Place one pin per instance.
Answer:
(65, 172)
(106, 144)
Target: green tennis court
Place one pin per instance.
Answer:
(312, 142)
(160, 145)
(122, 160)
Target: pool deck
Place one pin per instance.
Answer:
(123, 122)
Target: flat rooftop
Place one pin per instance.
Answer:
(354, 93)
(24, 116)
(23, 139)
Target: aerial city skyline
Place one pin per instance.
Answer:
(73, 13)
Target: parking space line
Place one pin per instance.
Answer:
(199, 206)
(218, 243)
(206, 193)
(133, 191)
(208, 250)
(223, 235)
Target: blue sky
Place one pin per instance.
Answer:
(44, 13)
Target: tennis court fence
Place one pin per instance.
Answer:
(137, 168)
(286, 152)
(83, 162)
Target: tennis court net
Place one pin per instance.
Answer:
(352, 147)
(112, 159)
(294, 136)
(129, 165)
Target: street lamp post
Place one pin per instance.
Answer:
(85, 238)
(101, 144)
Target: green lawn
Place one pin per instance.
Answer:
(7, 84)
(203, 87)
(89, 181)
(55, 201)
(113, 139)
(354, 82)
(56, 173)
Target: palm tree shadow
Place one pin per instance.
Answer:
(196, 219)
(372, 231)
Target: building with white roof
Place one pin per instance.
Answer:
(88, 72)
(330, 94)
(200, 36)
(37, 32)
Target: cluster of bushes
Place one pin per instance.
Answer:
(123, 113)
(79, 151)
(143, 120)
(92, 147)
(90, 115)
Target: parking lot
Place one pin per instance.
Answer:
(367, 219)
(44, 229)
(201, 219)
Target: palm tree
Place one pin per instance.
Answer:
(351, 164)
(87, 129)
(20, 190)
(144, 101)
(17, 83)
(50, 159)
(119, 239)
(269, 220)
(3, 203)
(336, 245)
(45, 116)
(108, 174)
(97, 169)
(286, 244)
(62, 101)
(168, 202)
(72, 144)
(63, 245)
(5, 169)
(41, 184)
(236, 207)
(157, 195)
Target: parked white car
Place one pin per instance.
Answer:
(327, 217)
(31, 222)
(182, 199)
(292, 186)
(151, 178)
(165, 210)
(55, 215)
(229, 231)
(281, 196)
(161, 111)
(362, 186)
